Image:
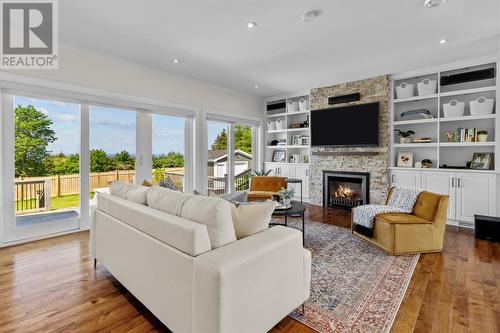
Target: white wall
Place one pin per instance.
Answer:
(84, 68)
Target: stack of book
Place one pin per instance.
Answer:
(466, 134)
(422, 140)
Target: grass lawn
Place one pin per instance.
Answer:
(65, 201)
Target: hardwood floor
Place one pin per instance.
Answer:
(51, 286)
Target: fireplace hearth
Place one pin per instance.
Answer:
(345, 189)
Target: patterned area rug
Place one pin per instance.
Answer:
(355, 286)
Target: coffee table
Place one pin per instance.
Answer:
(297, 208)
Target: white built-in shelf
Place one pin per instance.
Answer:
(467, 144)
(468, 91)
(276, 115)
(415, 121)
(414, 98)
(415, 145)
(477, 117)
(297, 112)
(277, 131)
(288, 146)
(446, 170)
(298, 129)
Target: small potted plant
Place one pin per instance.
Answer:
(286, 195)
(261, 172)
(404, 136)
(482, 136)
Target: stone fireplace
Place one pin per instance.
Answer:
(345, 189)
(373, 161)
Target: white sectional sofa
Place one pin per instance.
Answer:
(194, 275)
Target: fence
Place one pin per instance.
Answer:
(218, 185)
(70, 184)
(32, 195)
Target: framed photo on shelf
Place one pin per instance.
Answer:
(482, 161)
(405, 160)
(296, 140)
(279, 156)
(304, 140)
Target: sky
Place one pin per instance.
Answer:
(111, 130)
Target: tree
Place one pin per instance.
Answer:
(171, 160)
(124, 161)
(100, 161)
(220, 142)
(32, 136)
(242, 139)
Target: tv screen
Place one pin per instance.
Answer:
(355, 125)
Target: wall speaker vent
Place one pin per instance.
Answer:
(482, 74)
(344, 99)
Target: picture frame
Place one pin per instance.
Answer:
(304, 140)
(279, 156)
(296, 140)
(405, 160)
(482, 161)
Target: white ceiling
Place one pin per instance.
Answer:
(350, 40)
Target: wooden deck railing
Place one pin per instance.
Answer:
(32, 196)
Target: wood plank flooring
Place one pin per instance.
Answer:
(51, 286)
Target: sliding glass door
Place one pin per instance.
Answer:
(243, 156)
(43, 141)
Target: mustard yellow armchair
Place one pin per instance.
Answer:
(264, 187)
(419, 232)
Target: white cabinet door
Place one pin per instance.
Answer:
(442, 183)
(271, 166)
(302, 173)
(285, 171)
(410, 178)
(476, 194)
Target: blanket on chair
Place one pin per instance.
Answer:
(402, 200)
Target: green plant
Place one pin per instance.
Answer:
(261, 172)
(482, 132)
(404, 134)
(286, 194)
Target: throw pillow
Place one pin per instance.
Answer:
(132, 192)
(168, 183)
(166, 200)
(118, 188)
(146, 183)
(215, 213)
(251, 218)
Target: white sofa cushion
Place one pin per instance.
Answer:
(250, 218)
(132, 192)
(215, 213)
(184, 235)
(166, 200)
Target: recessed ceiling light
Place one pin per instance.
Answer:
(443, 41)
(251, 25)
(256, 86)
(433, 3)
(176, 61)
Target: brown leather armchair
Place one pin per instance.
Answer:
(264, 187)
(419, 232)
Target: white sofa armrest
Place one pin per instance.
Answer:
(251, 284)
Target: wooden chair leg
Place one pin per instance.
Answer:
(95, 262)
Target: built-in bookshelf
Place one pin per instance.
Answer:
(453, 139)
(287, 129)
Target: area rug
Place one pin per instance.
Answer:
(355, 286)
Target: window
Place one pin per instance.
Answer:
(112, 146)
(217, 157)
(168, 150)
(243, 156)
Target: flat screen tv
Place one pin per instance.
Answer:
(355, 125)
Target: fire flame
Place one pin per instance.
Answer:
(344, 192)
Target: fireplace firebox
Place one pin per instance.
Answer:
(345, 189)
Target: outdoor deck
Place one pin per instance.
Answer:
(31, 219)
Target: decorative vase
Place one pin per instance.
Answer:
(404, 140)
(286, 202)
(482, 137)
